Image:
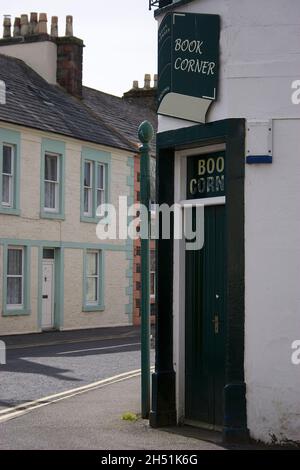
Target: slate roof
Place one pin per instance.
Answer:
(119, 113)
(33, 102)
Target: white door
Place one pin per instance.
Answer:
(48, 294)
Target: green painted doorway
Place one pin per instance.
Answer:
(205, 324)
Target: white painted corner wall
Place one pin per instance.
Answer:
(260, 58)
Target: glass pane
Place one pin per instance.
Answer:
(50, 195)
(152, 260)
(92, 290)
(14, 291)
(87, 174)
(51, 168)
(92, 264)
(48, 253)
(7, 160)
(14, 262)
(87, 199)
(152, 283)
(100, 177)
(100, 197)
(6, 182)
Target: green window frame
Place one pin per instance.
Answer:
(11, 140)
(95, 278)
(53, 149)
(99, 162)
(24, 307)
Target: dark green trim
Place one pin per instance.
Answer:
(163, 411)
(232, 133)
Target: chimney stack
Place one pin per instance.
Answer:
(24, 25)
(147, 84)
(69, 25)
(33, 23)
(42, 25)
(54, 26)
(7, 26)
(145, 96)
(69, 61)
(17, 27)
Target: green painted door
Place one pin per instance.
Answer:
(205, 323)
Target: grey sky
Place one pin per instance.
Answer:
(119, 35)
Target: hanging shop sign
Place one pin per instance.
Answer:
(206, 176)
(188, 65)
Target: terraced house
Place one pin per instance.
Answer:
(59, 160)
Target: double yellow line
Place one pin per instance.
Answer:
(11, 413)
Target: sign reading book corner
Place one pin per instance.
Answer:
(188, 65)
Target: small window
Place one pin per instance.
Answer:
(94, 188)
(15, 278)
(8, 175)
(138, 285)
(92, 277)
(52, 182)
(138, 268)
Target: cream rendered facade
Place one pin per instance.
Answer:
(69, 236)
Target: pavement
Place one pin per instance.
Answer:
(93, 421)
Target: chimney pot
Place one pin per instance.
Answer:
(17, 27)
(69, 25)
(7, 26)
(42, 26)
(54, 26)
(33, 23)
(135, 85)
(147, 81)
(24, 25)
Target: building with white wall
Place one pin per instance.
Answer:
(229, 314)
(59, 161)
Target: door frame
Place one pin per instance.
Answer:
(163, 413)
(180, 166)
(52, 263)
(58, 286)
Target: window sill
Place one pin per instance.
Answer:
(15, 312)
(94, 220)
(9, 211)
(52, 215)
(93, 308)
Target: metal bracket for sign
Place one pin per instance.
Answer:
(259, 138)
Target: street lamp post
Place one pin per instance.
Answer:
(145, 134)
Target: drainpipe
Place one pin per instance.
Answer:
(145, 134)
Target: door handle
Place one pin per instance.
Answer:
(45, 296)
(216, 324)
